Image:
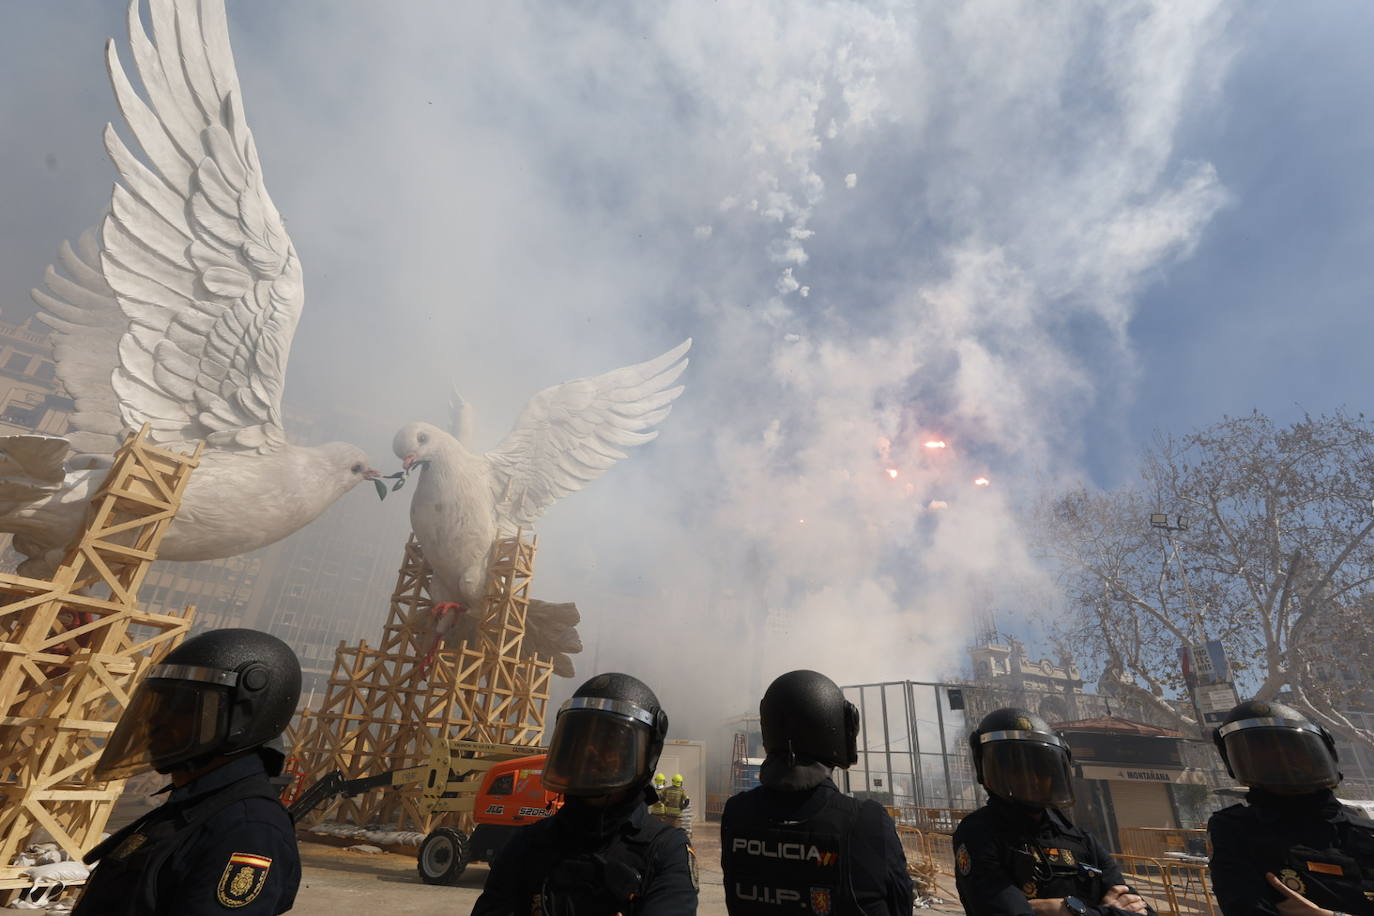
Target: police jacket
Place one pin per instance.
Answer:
(812, 850)
(1312, 843)
(1005, 856)
(590, 861)
(220, 844)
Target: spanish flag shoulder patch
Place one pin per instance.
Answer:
(243, 879)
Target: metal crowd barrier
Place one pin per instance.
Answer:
(928, 820)
(1174, 887)
(1159, 842)
(929, 862)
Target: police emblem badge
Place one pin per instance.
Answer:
(1023, 723)
(129, 846)
(820, 901)
(243, 879)
(1030, 889)
(1289, 878)
(962, 861)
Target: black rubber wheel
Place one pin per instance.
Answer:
(443, 856)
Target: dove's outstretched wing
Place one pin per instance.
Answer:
(570, 434)
(87, 325)
(194, 250)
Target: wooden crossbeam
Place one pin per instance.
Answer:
(382, 707)
(65, 681)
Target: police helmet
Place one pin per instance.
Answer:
(1274, 747)
(607, 737)
(223, 692)
(804, 714)
(1018, 758)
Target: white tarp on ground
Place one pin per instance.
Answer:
(51, 870)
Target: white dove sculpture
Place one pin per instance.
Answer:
(567, 436)
(180, 316)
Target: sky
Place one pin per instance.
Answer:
(1036, 232)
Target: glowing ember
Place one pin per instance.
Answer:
(981, 481)
(892, 472)
(936, 443)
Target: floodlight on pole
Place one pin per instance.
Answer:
(1161, 520)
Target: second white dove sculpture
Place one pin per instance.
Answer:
(567, 436)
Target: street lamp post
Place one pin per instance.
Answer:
(1161, 522)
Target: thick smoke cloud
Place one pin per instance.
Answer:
(883, 224)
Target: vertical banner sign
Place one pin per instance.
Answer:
(1207, 672)
(1220, 666)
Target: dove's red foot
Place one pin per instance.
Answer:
(442, 609)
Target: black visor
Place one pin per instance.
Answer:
(1279, 755)
(1027, 767)
(178, 713)
(599, 746)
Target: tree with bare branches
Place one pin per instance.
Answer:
(1267, 545)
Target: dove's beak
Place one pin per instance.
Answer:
(371, 474)
(407, 461)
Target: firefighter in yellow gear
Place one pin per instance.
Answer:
(658, 809)
(675, 804)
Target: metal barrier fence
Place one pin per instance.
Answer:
(1174, 882)
(1164, 842)
(928, 820)
(929, 862)
(1173, 887)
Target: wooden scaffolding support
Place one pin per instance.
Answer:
(383, 709)
(71, 650)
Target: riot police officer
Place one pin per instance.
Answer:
(796, 843)
(1292, 848)
(222, 841)
(601, 853)
(1019, 854)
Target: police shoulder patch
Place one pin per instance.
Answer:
(243, 879)
(130, 845)
(1289, 878)
(963, 861)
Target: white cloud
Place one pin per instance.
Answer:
(851, 180)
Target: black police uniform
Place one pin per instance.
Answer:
(1005, 856)
(811, 851)
(220, 844)
(588, 861)
(1311, 842)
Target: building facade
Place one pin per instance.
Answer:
(31, 398)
